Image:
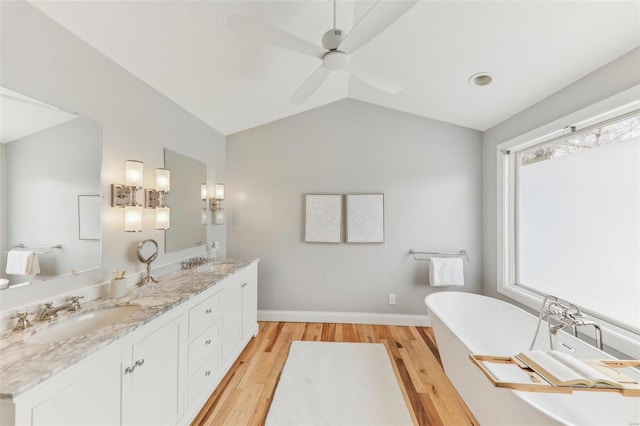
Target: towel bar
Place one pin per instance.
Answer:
(430, 254)
(38, 249)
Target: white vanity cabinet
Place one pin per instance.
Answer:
(205, 348)
(240, 310)
(249, 286)
(87, 394)
(151, 371)
(135, 382)
(159, 374)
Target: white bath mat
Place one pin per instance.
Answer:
(326, 383)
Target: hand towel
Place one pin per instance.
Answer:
(22, 262)
(445, 271)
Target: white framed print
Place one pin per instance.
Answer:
(323, 218)
(365, 218)
(89, 217)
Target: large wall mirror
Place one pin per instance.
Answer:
(187, 226)
(50, 190)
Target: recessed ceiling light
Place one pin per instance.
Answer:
(481, 79)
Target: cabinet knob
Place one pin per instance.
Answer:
(208, 342)
(208, 311)
(207, 373)
(243, 285)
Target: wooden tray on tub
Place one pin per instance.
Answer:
(538, 383)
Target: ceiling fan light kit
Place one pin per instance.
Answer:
(336, 46)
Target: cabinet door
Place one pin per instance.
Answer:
(90, 395)
(152, 394)
(231, 318)
(249, 301)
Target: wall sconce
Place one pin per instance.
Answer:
(216, 204)
(124, 196)
(203, 197)
(156, 198)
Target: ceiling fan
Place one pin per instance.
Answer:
(337, 46)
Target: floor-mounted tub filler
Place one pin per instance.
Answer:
(466, 324)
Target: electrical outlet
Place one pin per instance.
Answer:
(392, 298)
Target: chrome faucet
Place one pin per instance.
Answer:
(581, 322)
(50, 312)
(566, 314)
(194, 262)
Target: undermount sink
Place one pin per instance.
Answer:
(218, 268)
(81, 324)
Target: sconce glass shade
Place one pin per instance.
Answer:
(204, 217)
(163, 218)
(203, 192)
(219, 191)
(133, 218)
(134, 172)
(219, 217)
(163, 180)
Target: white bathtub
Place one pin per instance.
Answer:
(466, 323)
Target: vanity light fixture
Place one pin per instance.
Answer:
(203, 197)
(216, 204)
(124, 196)
(155, 199)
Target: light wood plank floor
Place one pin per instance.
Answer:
(244, 395)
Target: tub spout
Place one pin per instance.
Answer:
(596, 326)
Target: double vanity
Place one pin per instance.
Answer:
(153, 357)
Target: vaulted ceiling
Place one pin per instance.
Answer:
(184, 50)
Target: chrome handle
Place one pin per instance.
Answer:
(243, 285)
(138, 363)
(75, 298)
(22, 322)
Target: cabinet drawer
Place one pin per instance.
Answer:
(203, 315)
(203, 379)
(204, 345)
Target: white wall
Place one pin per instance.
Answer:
(429, 172)
(615, 77)
(41, 59)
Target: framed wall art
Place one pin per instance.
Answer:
(365, 218)
(323, 218)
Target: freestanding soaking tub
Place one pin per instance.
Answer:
(466, 323)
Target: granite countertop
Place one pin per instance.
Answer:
(25, 365)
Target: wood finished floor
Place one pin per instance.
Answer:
(244, 395)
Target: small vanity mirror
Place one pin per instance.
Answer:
(50, 190)
(147, 253)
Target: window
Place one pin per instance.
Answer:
(571, 220)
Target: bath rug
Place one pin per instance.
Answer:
(328, 383)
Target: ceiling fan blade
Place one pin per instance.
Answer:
(379, 17)
(266, 34)
(377, 79)
(310, 85)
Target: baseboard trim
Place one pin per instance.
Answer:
(344, 318)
